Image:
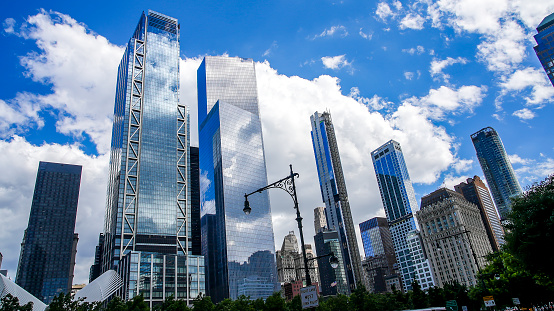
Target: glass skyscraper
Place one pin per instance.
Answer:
(239, 249)
(49, 246)
(545, 45)
(148, 210)
(497, 169)
(334, 195)
(399, 201)
(333, 281)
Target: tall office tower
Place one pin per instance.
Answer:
(422, 270)
(290, 263)
(239, 248)
(49, 246)
(333, 281)
(497, 169)
(196, 238)
(148, 210)
(379, 253)
(397, 194)
(320, 221)
(96, 268)
(544, 48)
(333, 193)
(475, 191)
(454, 236)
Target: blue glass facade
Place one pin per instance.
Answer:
(239, 249)
(148, 204)
(334, 195)
(497, 169)
(49, 245)
(399, 201)
(545, 45)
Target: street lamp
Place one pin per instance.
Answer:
(289, 186)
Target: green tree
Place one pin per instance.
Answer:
(64, 302)
(418, 297)
(295, 304)
(11, 303)
(116, 304)
(531, 228)
(137, 304)
(275, 302)
(203, 303)
(170, 304)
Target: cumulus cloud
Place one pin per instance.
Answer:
(445, 100)
(9, 24)
(412, 21)
(383, 11)
(535, 170)
(68, 60)
(533, 83)
(338, 30)
(438, 65)
(336, 62)
(524, 114)
(364, 35)
(516, 159)
(375, 103)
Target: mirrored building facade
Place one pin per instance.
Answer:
(148, 207)
(544, 48)
(399, 201)
(239, 249)
(497, 168)
(334, 195)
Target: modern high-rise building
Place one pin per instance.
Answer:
(399, 201)
(49, 246)
(320, 221)
(497, 169)
(333, 281)
(196, 237)
(96, 268)
(239, 249)
(544, 48)
(475, 191)
(148, 209)
(334, 195)
(380, 258)
(454, 237)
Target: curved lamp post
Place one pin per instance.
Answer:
(289, 186)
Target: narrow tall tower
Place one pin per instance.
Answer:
(148, 211)
(334, 195)
(475, 191)
(239, 248)
(544, 48)
(49, 246)
(497, 169)
(399, 201)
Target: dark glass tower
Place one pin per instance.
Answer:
(545, 45)
(47, 258)
(497, 169)
(333, 281)
(399, 201)
(334, 195)
(195, 201)
(239, 249)
(148, 209)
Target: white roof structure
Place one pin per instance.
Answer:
(97, 291)
(7, 286)
(101, 288)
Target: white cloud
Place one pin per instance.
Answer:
(516, 159)
(437, 66)
(504, 48)
(270, 49)
(541, 90)
(336, 62)
(338, 30)
(534, 171)
(462, 165)
(408, 75)
(444, 100)
(450, 180)
(9, 24)
(364, 35)
(412, 21)
(417, 50)
(68, 60)
(375, 103)
(383, 11)
(524, 114)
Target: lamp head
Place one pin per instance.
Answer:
(246, 208)
(497, 276)
(334, 261)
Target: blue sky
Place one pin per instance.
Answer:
(425, 73)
